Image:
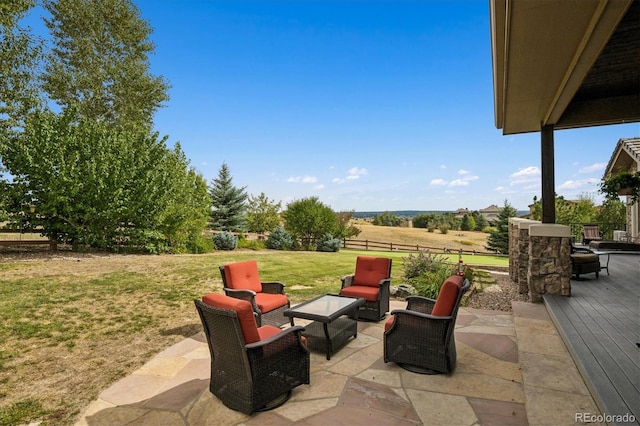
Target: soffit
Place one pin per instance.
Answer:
(566, 63)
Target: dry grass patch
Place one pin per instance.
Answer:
(73, 324)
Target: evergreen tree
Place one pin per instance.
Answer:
(498, 240)
(481, 221)
(229, 203)
(468, 223)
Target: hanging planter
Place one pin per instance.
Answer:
(622, 183)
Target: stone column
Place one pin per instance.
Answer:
(513, 247)
(522, 265)
(549, 269)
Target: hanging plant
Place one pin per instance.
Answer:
(622, 183)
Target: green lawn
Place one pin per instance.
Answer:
(72, 327)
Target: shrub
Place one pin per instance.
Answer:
(328, 243)
(251, 244)
(200, 244)
(225, 241)
(279, 239)
(426, 272)
(444, 228)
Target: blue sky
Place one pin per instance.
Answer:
(368, 105)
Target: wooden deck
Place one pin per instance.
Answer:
(600, 325)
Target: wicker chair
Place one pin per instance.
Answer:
(420, 338)
(584, 261)
(242, 281)
(591, 232)
(252, 369)
(370, 281)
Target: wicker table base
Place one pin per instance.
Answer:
(335, 320)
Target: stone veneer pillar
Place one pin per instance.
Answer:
(524, 242)
(549, 269)
(513, 247)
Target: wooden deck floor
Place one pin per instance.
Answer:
(600, 324)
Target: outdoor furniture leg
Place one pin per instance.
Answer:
(328, 338)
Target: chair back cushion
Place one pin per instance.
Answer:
(243, 276)
(371, 270)
(243, 310)
(447, 296)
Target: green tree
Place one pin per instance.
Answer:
(263, 215)
(96, 187)
(345, 228)
(307, 220)
(99, 64)
(613, 212)
(386, 219)
(481, 221)
(20, 53)
(468, 223)
(498, 239)
(229, 203)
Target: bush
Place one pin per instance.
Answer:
(279, 239)
(426, 272)
(225, 241)
(200, 244)
(251, 244)
(444, 228)
(328, 243)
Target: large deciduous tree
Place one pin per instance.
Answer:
(229, 203)
(99, 62)
(20, 52)
(263, 215)
(308, 220)
(95, 186)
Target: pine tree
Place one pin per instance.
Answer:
(498, 240)
(229, 203)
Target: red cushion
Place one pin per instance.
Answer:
(371, 270)
(368, 293)
(389, 323)
(267, 302)
(243, 310)
(447, 297)
(267, 331)
(243, 276)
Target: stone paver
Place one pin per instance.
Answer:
(511, 370)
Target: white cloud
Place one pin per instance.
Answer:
(470, 178)
(578, 184)
(319, 187)
(337, 180)
(303, 179)
(459, 182)
(525, 176)
(463, 172)
(443, 166)
(357, 171)
(438, 182)
(593, 168)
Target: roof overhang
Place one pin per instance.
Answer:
(566, 63)
(625, 157)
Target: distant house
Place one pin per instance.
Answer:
(626, 157)
(491, 213)
(459, 214)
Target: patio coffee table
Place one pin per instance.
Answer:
(331, 327)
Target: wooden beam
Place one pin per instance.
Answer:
(548, 175)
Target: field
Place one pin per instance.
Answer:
(75, 323)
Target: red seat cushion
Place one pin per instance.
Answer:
(243, 310)
(371, 270)
(368, 293)
(389, 323)
(267, 302)
(243, 276)
(447, 296)
(267, 331)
